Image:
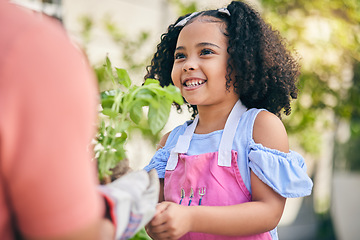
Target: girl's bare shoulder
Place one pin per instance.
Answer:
(163, 140)
(270, 131)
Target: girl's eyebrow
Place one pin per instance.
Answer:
(202, 44)
(179, 48)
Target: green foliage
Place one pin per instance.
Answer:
(123, 110)
(87, 24)
(347, 156)
(132, 50)
(141, 235)
(184, 8)
(327, 35)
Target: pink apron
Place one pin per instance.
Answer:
(209, 179)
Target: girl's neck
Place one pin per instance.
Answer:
(212, 118)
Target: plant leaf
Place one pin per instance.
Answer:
(109, 112)
(147, 96)
(158, 115)
(121, 139)
(149, 81)
(107, 102)
(136, 111)
(174, 94)
(123, 77)
(120, 153)
(123, 126)
(108, 69)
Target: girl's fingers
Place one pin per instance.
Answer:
(160, 217)
(160, 228)
(158, 232)
(159, 209)
(163, 226)
(162, 206)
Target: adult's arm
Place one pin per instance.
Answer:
(48, 105)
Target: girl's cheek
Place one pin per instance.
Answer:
(177, 83)
(175, 79)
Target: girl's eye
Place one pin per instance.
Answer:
(206, 51)
(179, 55)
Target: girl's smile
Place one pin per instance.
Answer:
(237, 76)
(193, 83)
(200, 65)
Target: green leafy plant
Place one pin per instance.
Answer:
(123, 108)
(141, 235)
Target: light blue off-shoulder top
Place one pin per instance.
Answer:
(285, 173)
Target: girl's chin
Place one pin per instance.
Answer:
(192, 101)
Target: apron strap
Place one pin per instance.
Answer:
(227, 139)
(182, 144)
(225, 147)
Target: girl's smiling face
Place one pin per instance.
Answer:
(200, 64)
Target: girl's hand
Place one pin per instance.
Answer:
(171, 221)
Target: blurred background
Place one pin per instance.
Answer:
(325, 122)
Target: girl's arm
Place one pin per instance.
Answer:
(260, 215)
(161, 144)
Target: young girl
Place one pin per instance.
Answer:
(227, 173)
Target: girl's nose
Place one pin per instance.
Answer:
(189, 65)
(188, 69)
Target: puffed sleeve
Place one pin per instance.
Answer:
(159, 161)
(285, 173)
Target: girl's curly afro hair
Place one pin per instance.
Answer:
(262, 70)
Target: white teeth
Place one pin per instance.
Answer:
(194, 83)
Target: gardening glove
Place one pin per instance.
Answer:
(132, 200)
